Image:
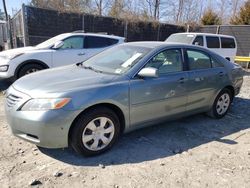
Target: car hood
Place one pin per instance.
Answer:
(16, 51)
(60, 80)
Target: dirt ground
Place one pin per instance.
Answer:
(192, 152)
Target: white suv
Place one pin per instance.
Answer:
(64, 49)
(224, 45)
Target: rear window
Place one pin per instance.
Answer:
(227, 42)
(98, 42)
(213, 42)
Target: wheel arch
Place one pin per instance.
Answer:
(117, 110)
(34, 61)
(231, 89)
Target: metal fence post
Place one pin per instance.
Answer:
(218, 29)
(24, 23)
(158, 32)
(126, 30)
(83, 23)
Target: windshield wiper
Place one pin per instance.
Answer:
(89, 67)
(79, 64)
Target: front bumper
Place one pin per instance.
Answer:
(48, 129)
(5, 75)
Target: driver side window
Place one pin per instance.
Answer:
(75, 42)
(167, 61)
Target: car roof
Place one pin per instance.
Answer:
(159, 44)
(207, 34)
(95, 35)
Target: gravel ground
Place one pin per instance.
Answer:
(192, 152)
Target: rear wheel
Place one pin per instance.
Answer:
(95, 131)
(221, 104)
(28, 69)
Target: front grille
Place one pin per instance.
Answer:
(12, 100)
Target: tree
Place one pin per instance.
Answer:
(154, 8)
(210, 18)
(78, 6)
(243, 17)
(117, 8)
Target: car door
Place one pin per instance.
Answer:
(204, 79)
(166, 95)
(71, 52)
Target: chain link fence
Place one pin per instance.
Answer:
(31, 26)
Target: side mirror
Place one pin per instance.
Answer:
(58, 44)
(196, 43)
(149, 72)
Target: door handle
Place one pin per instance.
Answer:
(199, 79)
(80, 54)
(221, 74)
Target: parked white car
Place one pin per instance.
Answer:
(64, 49)
(224, 45)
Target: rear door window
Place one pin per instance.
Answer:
(198, 41)
(227, 42)
(198, 60)
(98, 42)
(213, 42)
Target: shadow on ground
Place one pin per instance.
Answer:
(4, 84)
(165, 139)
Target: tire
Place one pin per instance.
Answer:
(29, 68)
(221, 104)
(87, 134)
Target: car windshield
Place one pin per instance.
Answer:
(181, 38)
(117, 60)
(51, 41)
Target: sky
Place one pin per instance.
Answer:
(12, 5)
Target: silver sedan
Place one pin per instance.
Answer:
(88, 105)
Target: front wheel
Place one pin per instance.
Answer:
(221, 104)
(28, 69)
(95, 131)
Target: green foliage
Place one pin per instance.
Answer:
(210, 18)
(243, 18)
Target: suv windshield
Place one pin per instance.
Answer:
(117, 60)
(181, 38)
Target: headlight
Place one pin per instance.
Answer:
(45, 104)
(4, 68)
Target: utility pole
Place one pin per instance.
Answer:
(8, 24)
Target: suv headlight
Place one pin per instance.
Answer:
(4, 68)
(45, 104)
